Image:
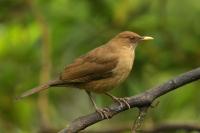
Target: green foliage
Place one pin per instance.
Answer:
(76, 27)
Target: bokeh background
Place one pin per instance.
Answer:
(39, 37)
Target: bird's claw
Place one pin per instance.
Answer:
(104, 113)
(122, 101)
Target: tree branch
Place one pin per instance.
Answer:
(142, 100)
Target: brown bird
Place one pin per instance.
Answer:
(100, 70)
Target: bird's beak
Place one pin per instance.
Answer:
(146, 38)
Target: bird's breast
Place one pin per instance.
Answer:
(125, 63)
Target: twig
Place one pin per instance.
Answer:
(139, 120)
(142, 100)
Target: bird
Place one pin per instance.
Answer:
(100, 70)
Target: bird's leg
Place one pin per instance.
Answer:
(119, 100)
(103, 112)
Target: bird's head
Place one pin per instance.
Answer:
(131, 38)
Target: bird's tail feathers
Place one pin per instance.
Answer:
(39, 88)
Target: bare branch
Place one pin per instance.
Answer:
(139, 120)
(142, 100)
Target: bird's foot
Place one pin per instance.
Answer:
(104, 113)
(122, 101)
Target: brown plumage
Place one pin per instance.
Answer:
(101, 69)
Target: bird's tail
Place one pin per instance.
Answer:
(39, 88)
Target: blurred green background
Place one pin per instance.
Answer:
(38, 38)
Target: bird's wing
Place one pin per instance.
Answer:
(93, 66)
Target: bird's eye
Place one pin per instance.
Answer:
(132, 39)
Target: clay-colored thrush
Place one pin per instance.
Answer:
(101, 69)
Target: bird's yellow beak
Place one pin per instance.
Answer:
(147, 38)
